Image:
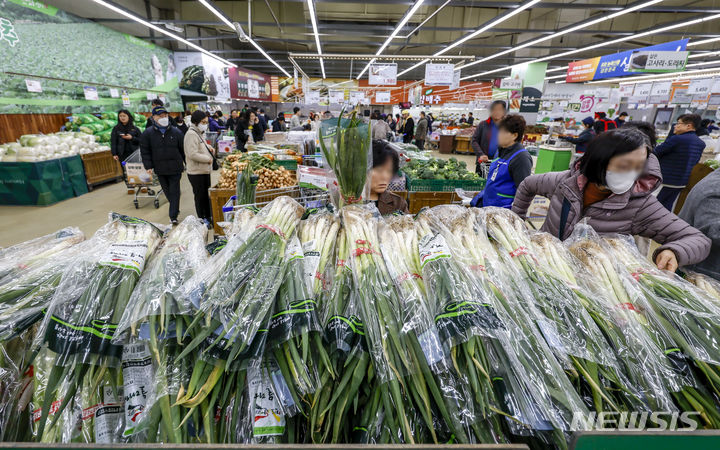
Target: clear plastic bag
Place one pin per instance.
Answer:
(347, 147)
(318, 235)
(16, 388)
(617, 306)
(709, 285)
(16, 260)
(82, 317)
(234, 294)
(156, 300)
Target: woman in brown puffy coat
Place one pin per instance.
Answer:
(611, 187)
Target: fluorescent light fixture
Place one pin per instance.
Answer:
(605, 44)
(218, 13)
(577, 27)
(556, 76)
(486, 27)
(704, 41)
(138, 19)
(413, 9)
(475, 33)
(313, 19)
(424, 21)
(238, 29)
(555, 69)
(700, 55)
(704, 63)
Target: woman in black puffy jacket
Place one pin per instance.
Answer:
(125, 137)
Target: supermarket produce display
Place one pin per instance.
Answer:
(455, 325)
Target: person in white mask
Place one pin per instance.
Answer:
(611, 188)
(162, 151)
(200, 158)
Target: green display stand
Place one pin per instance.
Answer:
(42, 183)
(553, 160)
(661, 440)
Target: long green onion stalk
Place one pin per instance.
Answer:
(346, 145)
(87, 306)
(405, 379)
(691, 319)
(652, 358)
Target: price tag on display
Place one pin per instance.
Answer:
(125, 98)
(702, 86)
(626, 90)
(312, 97)
(91, 93)
(382, 97)
(33, 86)
(439, 74)
(383, 74)
(456, 80)
(337, 97)
(511, 84)
(602, 92)
(660, 88)
(642, 89)
(114, 93)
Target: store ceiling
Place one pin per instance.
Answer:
(351, 27)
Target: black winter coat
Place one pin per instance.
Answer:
(164, 153)
(122, 148)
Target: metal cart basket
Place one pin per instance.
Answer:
(137, 178)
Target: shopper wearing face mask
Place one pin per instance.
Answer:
(162, 151)
(611, 187)
(199, 164)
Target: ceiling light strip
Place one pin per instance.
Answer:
(424, 21)
(576, 27)
(477, 32)
(413, 9)
(236, 27)
(142, 21)
(313, 20)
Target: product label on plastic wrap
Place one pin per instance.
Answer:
(94, 337)
(108, 422)
(126, 255)
(461, 318)
(299, 317)
(311, 263)
(293, 250)
(139, 386)
(268, 417)
(344, 333)
(432, 248)
(431, 346)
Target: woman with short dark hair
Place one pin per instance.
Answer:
(510, 168)
(386, 164)
(611, 187)
(124, 137)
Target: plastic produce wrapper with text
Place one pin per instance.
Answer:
(25, 295)
(687, 314)
(399, 247)
(652, 358)
(156, 300)
(80, 322)
(347, 147)
(233, 296)
(531, 386)
(295, 331)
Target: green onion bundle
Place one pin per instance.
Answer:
(347, 146)
(81, 320)
(652, 358)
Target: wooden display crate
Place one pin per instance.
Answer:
(101, 167)
(218, 198)
(462, 144)
(419, 200)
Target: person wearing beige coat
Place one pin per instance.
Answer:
(199, 159)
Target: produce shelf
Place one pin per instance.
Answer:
(419, 185)
(101, 167)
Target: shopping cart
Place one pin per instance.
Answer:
(137, 178)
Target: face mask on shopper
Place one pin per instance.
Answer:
(621, 182)
(163, 121)
(203, 127)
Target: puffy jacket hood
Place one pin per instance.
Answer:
(649, 180)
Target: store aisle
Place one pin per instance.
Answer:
(87, 212)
